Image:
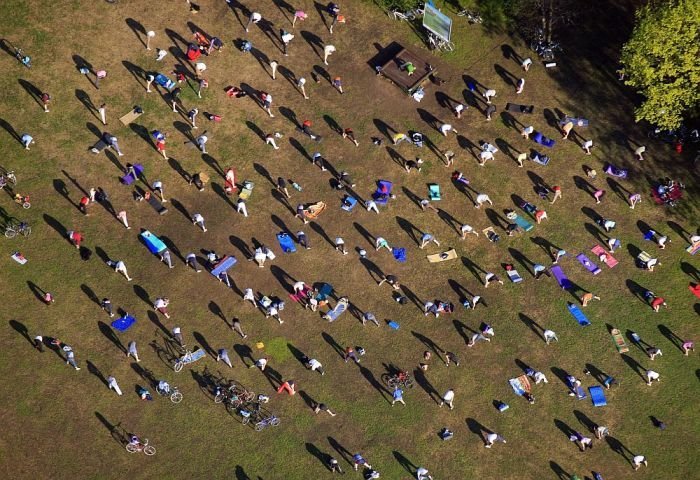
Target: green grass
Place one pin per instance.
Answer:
(64, 417)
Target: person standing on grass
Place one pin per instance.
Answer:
(282, 187)
(391, 280)
(489, 94)
(106, 305)
(687, 347)
(651, 375)
(587, 145)
(222, 354)
(102, 110)
(285, 37)
(634, 199)
(397, 396)
(299, 16)
(527, 131)
(119, 267)
(638, 461)
(492, 438)
(338, 84)
(198, 219)
(75, 238)
(371, 205)
(236, 325)
(26, 140)
(457, 109)
(540, 215)
(451, 357)
(192, 117)
(328, 50)
(334, 466)
(527, 62)
(482, 198)
(322, 407)
(113, 385)
(161, 305)
(273, 67)
(445, 128)
(467, 229)
(203, 83)
(39, 343)
(166, 258)
(587, 297)
(249, 296)
(491, 277)
(301, 81)
(315, 366)
(566, 129)
(177, 336)
(131, 351)
(582, 441)
(359, 461)
(70, 357)
(490, 110)
(639, 152)
(423, 474)
(351, 354)
(45, 100)
(201, 142)
(191, 260)
(266, 100)
(287, 386)
(448, 398)
(158, 187)
(254, 18)
(270, 140)
(303, 240)
(350, 135)
(426, 239)
(520, 86)
(340, 245)
(149, 80)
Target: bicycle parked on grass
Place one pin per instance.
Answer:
(24, 59)
(233, 395)
(135, 446)
(169, 391)
(472, 17)
(439, 43)
(188, 357)
(408, 16)
(21, 228)
(401, 379)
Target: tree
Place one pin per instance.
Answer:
(661, 60)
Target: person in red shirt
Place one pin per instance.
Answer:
(160, 146)
(657, 302)
(75, 238)
(82, 206)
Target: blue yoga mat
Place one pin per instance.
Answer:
(399, 254)
(598, 396)
(286, 243)
(223, 265)
(154, 244)
(578, 315)
(524, 224)
(122, 324)
(339, 309)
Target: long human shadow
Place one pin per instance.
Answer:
(109, 334)
(532, 325)
(320, 456)
(314, 41)
(344, 453)
(205, 345)
(671, 336)
(475, 269)
(21, 328)
(319, 230)
(410, 294)
(116, 431)
(559, 471)
(463, 330)
(409, 228)
(337, 348)
(459, 289)
(376, 384)
(371, 239)
(634, 365)
(429, 344)
(36, 290)
(425, 384)
(96, 372)
(477, 429)
(408, 465)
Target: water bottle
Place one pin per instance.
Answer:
(296, 186)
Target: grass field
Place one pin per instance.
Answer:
(59, 423)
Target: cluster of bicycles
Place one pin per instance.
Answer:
(247, 405)
(545, 49)
(398, 380)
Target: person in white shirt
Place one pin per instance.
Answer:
(260, 363)
(492, 438)
(638, 461)
(315, 365)
(120, 267)
(300, 84)
(113, 385)
(549, 335)
(328, 50)
(371, 205)
(241, 207)
(177, 335)
(260, 256)
(651, 376)
(249, 296)
(198, 219)
(340, 245)
(445, 128)
(448, 398)
(274, 313)
(132, 351)
(484, 156)
(639, 152)
(423, 474)
(587, 145)
(158, 187)
(466, 229)
(380, 243)
(489, 94)
(161, 305)
(458, 109)
(202, 142)
(527, 131)
(299, 287)
(526, 64)
(254, 18)
(481, 199)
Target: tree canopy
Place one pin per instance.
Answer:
(661, 61)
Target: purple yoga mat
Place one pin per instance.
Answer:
(563, 280)
(590, 266)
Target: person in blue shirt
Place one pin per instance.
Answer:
(397, 397)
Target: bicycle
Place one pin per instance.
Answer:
(144, 447)
(21, 228)
(266, 422)
(472, 17)
(173, 393)
(24, 59)
(397, 380)
(188, 357)
(438, 43)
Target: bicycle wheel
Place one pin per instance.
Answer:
(131, 448)
(260, 426)
(26, 205)
(149, 450)
(10, 232)
(27, 231)
(236, 402)
(386, 378)
(275, 421)
(178, 366)
(409, 383)
(448, 46)
(245, 420)
(176, 397)
(220, 397)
